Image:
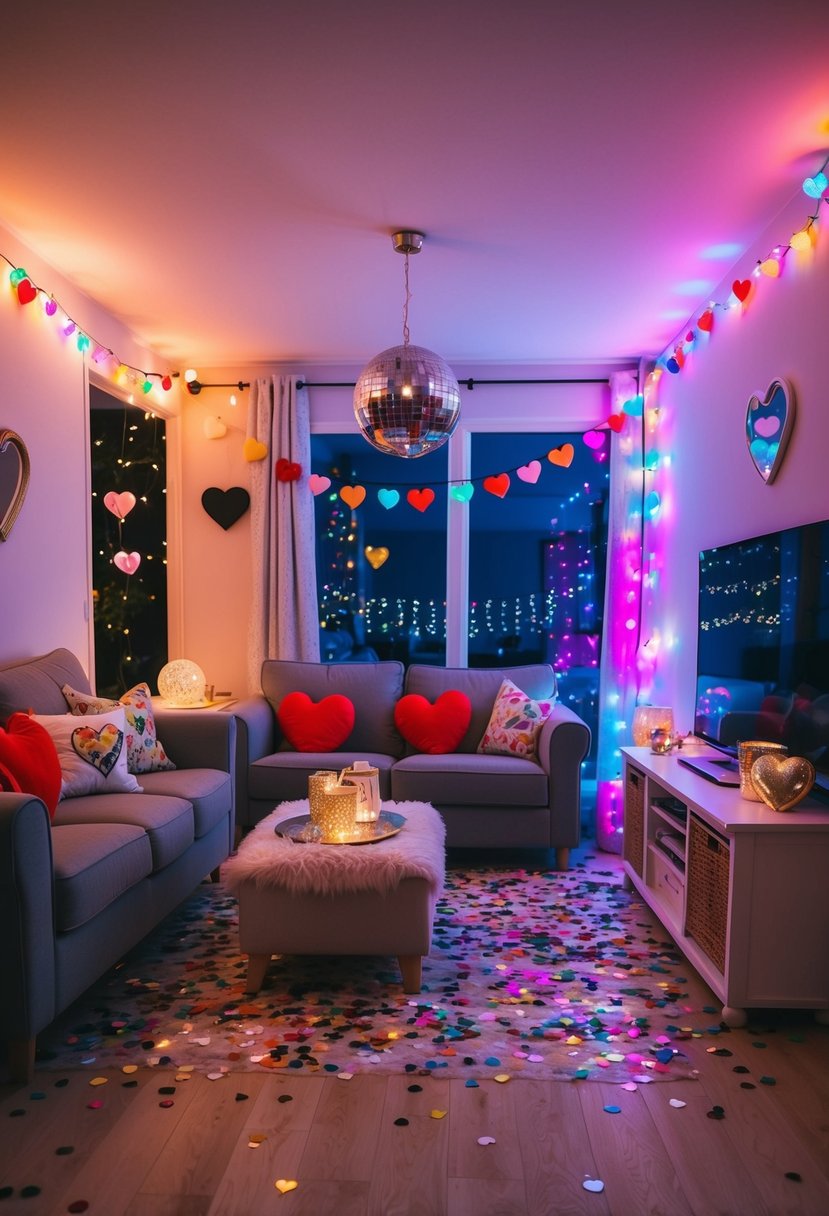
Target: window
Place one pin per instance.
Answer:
(128, 454)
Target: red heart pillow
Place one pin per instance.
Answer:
(8, 782)
(315, 726)
(436, 729)
(29, 754)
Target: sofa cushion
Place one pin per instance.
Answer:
(374, 688)
(36, 683)
(436, 728)
(515, 723)
(465, 779)
(283, 776)
(208, 790)
(481, 685)
(95, 863)
(31, 758)
(144, 751)
(92, 752)
(168, 822)
(315, 726)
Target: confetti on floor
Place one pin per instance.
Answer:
(563, 975)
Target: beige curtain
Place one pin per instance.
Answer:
(284, 614)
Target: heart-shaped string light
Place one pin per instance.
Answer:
(317, 483)
(498, 484)
(376, 556)
(127, 563)
(421, 500)
(119, 504)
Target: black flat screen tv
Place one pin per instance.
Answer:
(763, 644)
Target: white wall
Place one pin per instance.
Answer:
(717, 495)
(44, 563)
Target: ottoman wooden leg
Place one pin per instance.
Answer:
(257, 970)
(410, 968)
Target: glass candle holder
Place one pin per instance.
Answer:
(647, 719)
(747, 753)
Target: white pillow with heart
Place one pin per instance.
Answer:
(92, 752)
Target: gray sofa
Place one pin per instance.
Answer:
(79, 892)
(487, 801)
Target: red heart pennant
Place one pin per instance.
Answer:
(616, 422)
(497, 485)
(421, 499)
(741, 289)
(26, 291)
(706, 321)
(679, 355)
(287, 470)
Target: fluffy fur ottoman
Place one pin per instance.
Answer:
(339, 899)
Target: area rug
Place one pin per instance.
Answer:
(534, 973)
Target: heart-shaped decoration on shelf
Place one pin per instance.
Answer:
(127, 563)
(14, 479)
(497, 485)
(376, 556)
(421, 499)
(225, 506)
(317, 483)
(530, 472)
(388, 498)
(769, 423)
(782, 782)
(119, 504)
(562, 457)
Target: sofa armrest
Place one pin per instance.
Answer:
(257, 735)
(563, 743)
(27, 940)
(196, 738)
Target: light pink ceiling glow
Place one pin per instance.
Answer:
(225, 178)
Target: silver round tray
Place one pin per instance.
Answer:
(300, 829)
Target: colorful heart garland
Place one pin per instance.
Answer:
(741, 289)
(421, 500)
(317, 483)
(562, 457)
(119, 504)
(530, 472)
(287, 470)
(127, 563)
(388, 498)
(352, 496)
(497, 485)
(376, 557)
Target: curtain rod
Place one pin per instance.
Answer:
(469, 382)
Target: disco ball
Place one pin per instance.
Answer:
(407, 401)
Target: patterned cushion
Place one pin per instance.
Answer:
(144, 751)
(514, 724)
(92, 752)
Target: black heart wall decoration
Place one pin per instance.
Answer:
(225, 506)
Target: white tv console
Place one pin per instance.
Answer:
(742, 889)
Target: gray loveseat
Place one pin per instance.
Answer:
(79, 892)
(487, 801)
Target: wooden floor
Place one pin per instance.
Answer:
(220, 1146)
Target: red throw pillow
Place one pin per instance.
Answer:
(8, 781)
(315, 726)
(437, 728)
(27, 751)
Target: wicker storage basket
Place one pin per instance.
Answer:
(706, 915)
(634, 834)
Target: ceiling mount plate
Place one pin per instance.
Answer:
(407, 242)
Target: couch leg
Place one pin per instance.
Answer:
(562, 859)
(216, 874)
(21, 1059)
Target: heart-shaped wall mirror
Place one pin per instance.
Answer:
(14, 479)
(769, 422)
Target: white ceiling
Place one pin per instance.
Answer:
(225, 177)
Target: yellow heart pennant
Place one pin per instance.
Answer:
(253, 450)
(376, 556)
(283, 1185)
(352, 496)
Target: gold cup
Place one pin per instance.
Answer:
(747, 752)
(333, 807)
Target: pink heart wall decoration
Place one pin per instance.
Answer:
(318, 483)
(119, 504)
(128, 563)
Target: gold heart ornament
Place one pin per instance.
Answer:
(376, 556)
(782, 783)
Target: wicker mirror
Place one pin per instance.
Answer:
(14, 479)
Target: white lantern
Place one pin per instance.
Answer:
(182, 683)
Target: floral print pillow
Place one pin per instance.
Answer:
(144, 751)
(515, 723)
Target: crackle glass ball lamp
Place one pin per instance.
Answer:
(649, 718)
(182, 683)
(406, 399)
